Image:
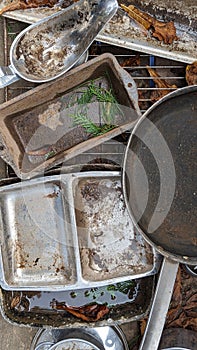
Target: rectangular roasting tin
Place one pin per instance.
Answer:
(69, 231)
(37, 129)
(122, 31)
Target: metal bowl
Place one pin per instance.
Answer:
(74, 344)
(100, 338)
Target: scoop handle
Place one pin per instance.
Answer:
(7, 76)
(160, 305)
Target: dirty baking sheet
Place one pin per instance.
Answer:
(44, 245)
(38, 129)
(123, 32)
(127, 304)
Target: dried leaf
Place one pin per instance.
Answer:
(161, 84)
(191, 73)
(163, 31)
(15, 301)
(172, 315)
(191, 313)
(25, 4)
(184, 322)
(143, 323)
(191, 323)
(191, 301)
(183, 307)
(131, 61)
(191, 306)
(141, 17)
(92, 312)
(178, 322)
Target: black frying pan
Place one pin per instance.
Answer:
(159, 186)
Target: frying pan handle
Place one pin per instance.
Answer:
(160, 305)
(7, 76)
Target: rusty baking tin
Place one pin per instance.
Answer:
(40, 119)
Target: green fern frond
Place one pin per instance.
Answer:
(86, 123)
(89, 126)
(108, 109)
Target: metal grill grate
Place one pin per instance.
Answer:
(134, 62)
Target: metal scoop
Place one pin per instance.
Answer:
(49, 48)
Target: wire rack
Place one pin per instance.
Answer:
(133, 62)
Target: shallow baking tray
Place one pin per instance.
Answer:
(124, 33)
(40, 121)
(68, 232)
(33, 308)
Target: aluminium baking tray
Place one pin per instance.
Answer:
(40, 118)
(33, 308)
(121, 31)
(68, 232)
